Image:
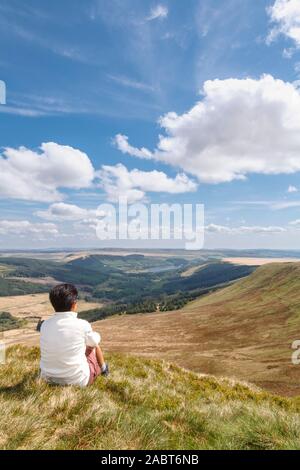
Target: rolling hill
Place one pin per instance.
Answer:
(144, 404)
(244, 331)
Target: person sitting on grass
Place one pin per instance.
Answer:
(70, 352)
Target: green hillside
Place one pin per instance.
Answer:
(244, 331)
(143, 405)
(272, 290)
(256, 320)
(276, 285)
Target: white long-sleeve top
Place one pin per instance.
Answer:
(64, 339)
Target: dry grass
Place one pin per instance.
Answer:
(143, 405)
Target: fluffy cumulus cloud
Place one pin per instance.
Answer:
(285, 16)
(158, 12)
(239, 127)
(119, 181)
(24, 227)
(37, 176)
(41, 175)
(69, 212)
(213, 228)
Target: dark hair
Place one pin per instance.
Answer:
(63, 297)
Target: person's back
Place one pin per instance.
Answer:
(64, 339)
(68, 344)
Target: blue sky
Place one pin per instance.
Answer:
(78, 74)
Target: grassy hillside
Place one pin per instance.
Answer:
(143, 405)
(259, 318)
(244, 331)
(268, 285)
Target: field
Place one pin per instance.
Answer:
(142, 405)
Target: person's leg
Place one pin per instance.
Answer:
(99, 356)
(96, 363)
(95, 369)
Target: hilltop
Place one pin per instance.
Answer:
(244, 331)
(144, 404)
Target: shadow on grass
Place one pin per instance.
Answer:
(21, 389)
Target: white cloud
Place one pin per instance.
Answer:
(37, 176)
(288, 53)
(274, 205)
(238, 128)
(292, 189)
(21, 111)
(158, 12)
(213, 228)
(285, 205)
(295, 223)
(119, 181)
(24, 227)
(62, 211)
(121, 142)
(285, 14)
(297, 67)
(258, 229)
(128, 82)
